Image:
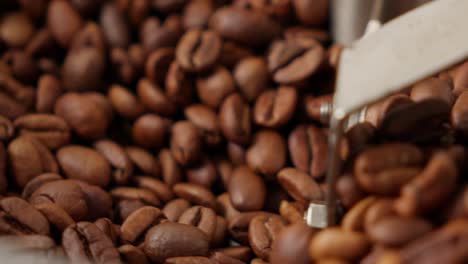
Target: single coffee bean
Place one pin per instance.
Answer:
(204, 173)
(202, 217)
(171, 171)
(67, 194)
(293, 212)
(354, 218)
(63, 21)
(197, 13)
(49, 88)
(249, 27)
(384, 169)
(86, 117)
(154, 98)
(311, 13)
(15, 98)
(132, 255)
(98, 200)
(169, 239)
(308, 150)
(16, 29)
(122, 166)
(74, 157)
(78, 76)
(162, 191)
(436, 182)
(247, 190)
(86, 243)
(300, 186)
(175, 208)
(292, 62)
(252, 76)
(291, 245)
(55, 215)
(205, 119)
(6, 129)
(37, 182)
(144, 161)
(234, 118)
(134, 227)
(238, 226)
(111, 230)
(114, 26)
(213, 87)
(158, 63)
(180, 86)
(149, 131)
(32, 152)
(274, 108)
(432, 88)
(125, 207)
(337, 243)
(263, 232)
(267, 153)
(198, 50)
(19, 217)
(195, 194)
(131, 193)
(186, 143)
(124, 102)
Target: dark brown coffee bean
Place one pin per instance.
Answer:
(172, 239)
(234, 118)
(144, 161)
(86, 243)
(293, 212)
(225, 207)
(237, 252)
(6, 129)
(124, 102)
(195, 194)
(206, 120)
(311, 13)
(26, 150)
(19, 217)
(291, 245)
(263, 232)
(22, 66)
(430, 188)
(274, 108)
(247, 190)
(56, 216)
(111, 230)
(384, 169)
(232, 53)
(202, 217)
(98, 200)
(153, 35)
(198, 50)
(122, 166)
(249, 27)
(3, 166)
(149, 131)
(63, 21)
(73, 158)
(432, 88)
(130, 193)
(180, 85)
(158, 63)
(154, 98)
(16, 29)
(114, 26)
(78, 76)
(340, 244)
(222, 258)
(132, 255)
(15, 98)
(175, 208)
(86, 117)
(238, 226)
(212, 88)
(162, 191)
(204, 173)
(377, 111)
(125, 208)
(267, 153)
(37, 182)
(308, 150)
(186, 142)
(171, 171)
(197, 13)
(49, 88)
(300, 186)
(67, 194)
(252, 76)
(134, 227)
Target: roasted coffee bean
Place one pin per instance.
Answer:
(132, 255)
(220, 233)
(197, 13)
(225, 207)
(124, 102)
(292, 62)
(37, 182)
(249, 27)
(168, 240)
(122, 166)
(237, 252)
(312, 105)
(189, 260)
(300, 186)
(149, 131)
(430, 188)
(247, 190)
(125, 208)
(376, 112)
(144, 161)
(49, 88)
(186, 143)
(348, 190)
(337, 243)
(154, 98)
(291, 245)
(274, 108)
(32, 152)
(263, 232)
(73, 157)
(222, 258)
(158, 63)
(384, 169)
(111, 230)
(130, 193)
(175, 208)
(198, 50)
(354, 218)
(234, 118)
(278, 9)
(56, 216)
(90, 35)
(162, 191)
(213, 87)
(134, 227)
(114, 26)
(195, 194)
(78, 76)
(22, 66)
(236, 153)
(238, 226)
(19, 217)
(153, 35)
(432, 88)
(6, 128)
(15, 98)
(252, 76)
(16, 29)
(267, 153)
(67, 194)
(300, 33)
(206, 120)
(293, 212)
(171, 171)
(86, 117)
(378, 210)
(202, 217)
(460, 79)
(122, 66)
(203, 174)
(311, 13)
(180, 86)
(99, 201)
(308, 150)
(458, 115)
(86, 243)
(63, 21)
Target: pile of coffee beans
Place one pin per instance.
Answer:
(189, 132)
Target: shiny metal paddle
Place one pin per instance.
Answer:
(403, 51)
